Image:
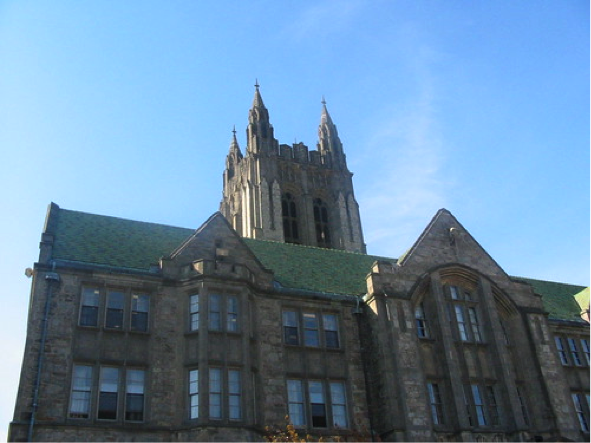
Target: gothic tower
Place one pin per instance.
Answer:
(290, 194)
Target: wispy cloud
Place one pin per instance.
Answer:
(409, 182)
(323, 18)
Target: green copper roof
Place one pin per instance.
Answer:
(315, 269)
(582, 299)
(110, 241)
(559, 298)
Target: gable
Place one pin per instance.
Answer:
(103, 241)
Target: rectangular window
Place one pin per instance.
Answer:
(331, 330)
(561, 350)
(215, 312)
(90, 307)
(474, 327)
(493, 406)
(435, 403)
(194, 312)
(478, 405)
(421, 321)
(215, 393)
(461, 323)
(295, 399)
(108, 393)
(115, 305)
(574, 352)
(234, 394)
(585, 345)
(290, 328)
(194, 393)
(134, 395)
(81, 392)
(580, 409)
(454, 292)
(317, 404)
(311, 336)
(338, 400)
(140, 307)
(232, 314)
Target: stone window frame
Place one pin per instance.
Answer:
(327, 338)
(100, 310)
(581, 405)
(122, 390)
(421, 321)
(572, 351)
(222, 387)
(435, 403)
(76, 389)
(333, 405)
(464, 314)
(226, 317)
(322, 223)
(482, 408)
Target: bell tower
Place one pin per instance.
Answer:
(288, 193)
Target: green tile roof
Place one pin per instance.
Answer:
(115, 242)
(315, 269)
(559, 298)
(112, 241)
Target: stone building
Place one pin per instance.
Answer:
(272, 308)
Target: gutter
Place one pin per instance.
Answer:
(50, 278)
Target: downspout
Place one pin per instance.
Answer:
(50, 278)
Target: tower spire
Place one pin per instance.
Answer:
(260, 130)
(329, 143)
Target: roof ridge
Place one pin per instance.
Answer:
(112, 217)
(296, 245)
(548, 281)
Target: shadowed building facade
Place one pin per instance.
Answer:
(272, 308)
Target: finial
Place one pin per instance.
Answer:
(256, 83)
(323, 101)
(234, 130)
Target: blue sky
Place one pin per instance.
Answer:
(126, 108)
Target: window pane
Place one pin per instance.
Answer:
(561, 350)
(295, 398)
(194, 312)
(114, 315)
(461, 323)
(90, 307)
(479, 405)
(339, 405)
(290, 328)
(435, 402)
(194, 393)
(585, 345)
(215, 315)
(81, 392)
(232, 314)
(134, 401)
(140, 306)
(234, 392)
(574, 352)
(317, 403)
(311, 336)
(108, 395)
(331, 330)
(476, 335)
(215, 393)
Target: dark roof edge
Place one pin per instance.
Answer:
(93, 266)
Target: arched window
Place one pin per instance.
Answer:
(290, 219)
(321, 223)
